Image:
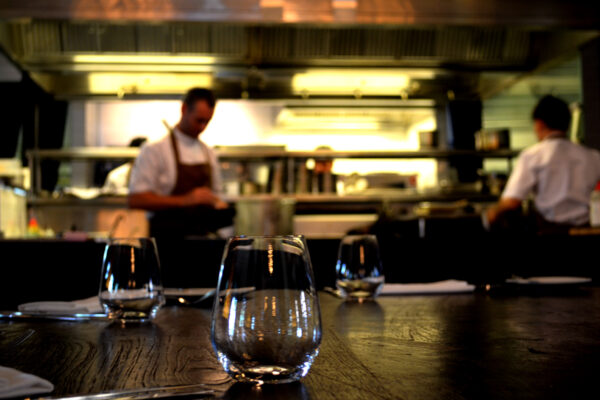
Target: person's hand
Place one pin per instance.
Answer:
(491, 214)
(199, 196)
(504, 205)
(220, 204)
(203, 196)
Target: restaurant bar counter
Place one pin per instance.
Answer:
(57, 269)
(460, 346)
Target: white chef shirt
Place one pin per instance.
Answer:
(154, 169)
(561, 175)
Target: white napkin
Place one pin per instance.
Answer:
(447, 286)
(85, 306)
(15, 383)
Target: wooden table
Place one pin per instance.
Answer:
(467, 346)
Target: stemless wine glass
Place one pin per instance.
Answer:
(358, 269)
(266, 324)
(130, 284)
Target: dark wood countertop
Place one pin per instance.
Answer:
(468, 346)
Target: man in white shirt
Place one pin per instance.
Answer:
(178, 178)
(560, 174)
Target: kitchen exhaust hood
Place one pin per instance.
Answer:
(271, 48)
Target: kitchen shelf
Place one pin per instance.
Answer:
(245, 154)
(260, 154)
(107, 153)
(85, 153)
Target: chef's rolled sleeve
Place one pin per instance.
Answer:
(522, 180)
(146, 172)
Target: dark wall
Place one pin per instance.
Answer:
(61, 270)
(458, 121)
(590, 76)
(38, 270)
(11, 113)
(25, 106)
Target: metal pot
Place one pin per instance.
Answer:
(265, 216)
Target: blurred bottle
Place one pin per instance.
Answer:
(33, 229)
(595, 206)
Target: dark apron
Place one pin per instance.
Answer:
(528, 222)
(189, 221)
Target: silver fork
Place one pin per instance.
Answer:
(200, 390)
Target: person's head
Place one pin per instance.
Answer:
(551, 114)
(323, 164)
(196, 111)
(137, 141)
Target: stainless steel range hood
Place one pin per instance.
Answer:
(256, 49)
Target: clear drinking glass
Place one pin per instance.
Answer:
(130, 284)
(358, 269)
(266, 324)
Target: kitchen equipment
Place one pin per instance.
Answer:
(492, 182)
(428, 139)
(426, 209)
(13, 212)
(264, 215)
(492, 139)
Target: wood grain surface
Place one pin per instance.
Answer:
(469, 346)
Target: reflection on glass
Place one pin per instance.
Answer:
(294, 390)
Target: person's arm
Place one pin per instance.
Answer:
(521, 182)
(215, 167)
(504, 205)
(154, 202)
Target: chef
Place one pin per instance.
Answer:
(177, 179)
(559, 174)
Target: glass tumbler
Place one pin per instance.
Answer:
(266, 324)
(359, 273)
(130, 284)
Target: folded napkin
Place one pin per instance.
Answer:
(448, 286)
(85, 306)
(15, 383)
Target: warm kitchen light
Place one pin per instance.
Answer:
(140, 62)
(140, 59)
(271, 3)
(345, 4)
(122, 83)
(355, 82)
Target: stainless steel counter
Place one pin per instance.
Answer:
(323, 216)
(98, 216)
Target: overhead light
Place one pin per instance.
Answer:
(121, 83)
(355, 82)
(140, 63)
(141, 59)
(271, 3)
(344, 4)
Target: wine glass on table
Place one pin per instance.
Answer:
(266, 324)
(359, 272)
(130, 283)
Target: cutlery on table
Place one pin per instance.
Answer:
(196, 390)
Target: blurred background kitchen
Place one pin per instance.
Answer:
(332, 114)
